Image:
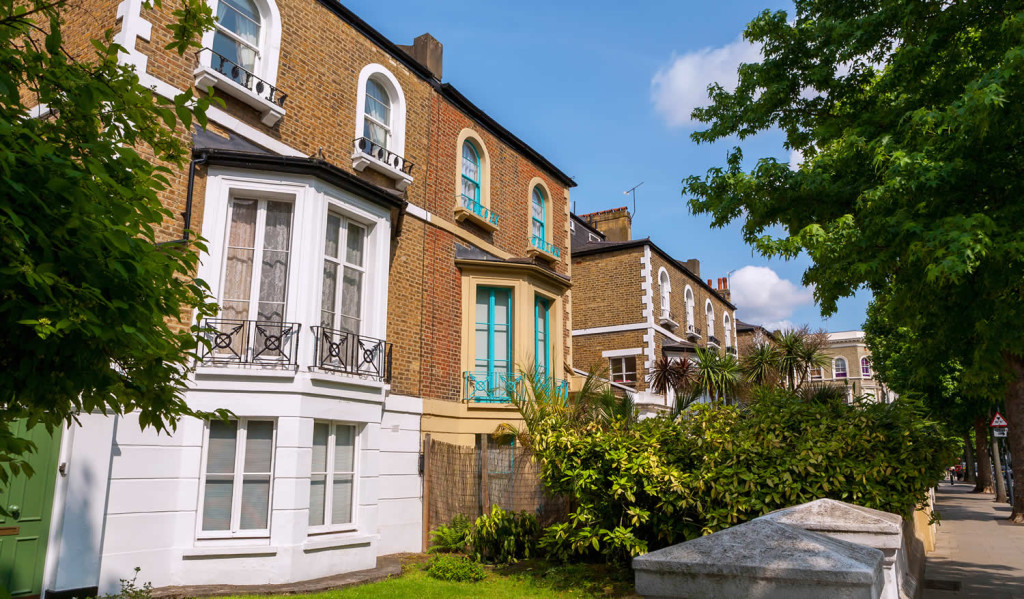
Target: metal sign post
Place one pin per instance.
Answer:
(999, 426)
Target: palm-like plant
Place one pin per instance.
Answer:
(718, 375)
(541, 404)
(761, 365)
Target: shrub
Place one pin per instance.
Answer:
(455, 568)
(504, 537)
(131, 590)
(664, 481)
(451, 538)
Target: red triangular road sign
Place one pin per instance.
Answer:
(998, 421)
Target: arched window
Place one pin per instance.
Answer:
(538, 216)
(665, 286)
(377, 110)
(688, 297)
(470, 176)
(709, 311)
(865, 368)
(727, 329)
(380, 126)
(237, 36)
(839, 368)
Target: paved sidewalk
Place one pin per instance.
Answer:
(975, 547)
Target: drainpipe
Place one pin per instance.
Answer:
(187, 214)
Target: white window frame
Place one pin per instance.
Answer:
(342, 264)
(864, 366)
(709, 317)
(236, 491)
(846, 369)
(622, 361)
(727, 329)
(269, 50)
(389, 82)
(665, 291)
(816, 373)
(329, 484)
(254, 285)
(689, 301)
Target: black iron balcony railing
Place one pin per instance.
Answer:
(342, 351)
(730, 350)
(712, 340)
(249, 342)
(382, 154)
(241, 76)
(692, 331)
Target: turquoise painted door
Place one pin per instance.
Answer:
(24, 533)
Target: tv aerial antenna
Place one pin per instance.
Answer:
(632, 191)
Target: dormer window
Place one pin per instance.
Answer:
(377, 124)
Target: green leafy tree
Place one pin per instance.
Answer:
(90, 303)
(909, 119)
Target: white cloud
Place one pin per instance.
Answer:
(796, 158)
(682, 86)
(762, 297)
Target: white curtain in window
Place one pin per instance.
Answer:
(274, 273)
(237, 36)
(238, 268)
(378, 113)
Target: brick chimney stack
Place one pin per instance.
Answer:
(616, 224)
(428, 52)
(723, 288)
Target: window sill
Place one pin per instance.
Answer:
(361, 160)
(490, 406)
(337, 541)
(270, 371)
(667, 322)
(342, 378)
(463, 214)
(229, 551)
(207, 78)
(533, 252)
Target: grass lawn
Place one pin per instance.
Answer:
(530, 578)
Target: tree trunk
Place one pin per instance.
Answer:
(984, 482)
(997, 464)
(969, 456)
(1015, 432)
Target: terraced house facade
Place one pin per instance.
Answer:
(634, 304)
(387, 259)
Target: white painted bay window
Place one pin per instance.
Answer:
(332, 478)
(256, 268)
(344, 274)
(238, 478)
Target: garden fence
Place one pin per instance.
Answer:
(467, 480)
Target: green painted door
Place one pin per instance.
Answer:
(23, 534)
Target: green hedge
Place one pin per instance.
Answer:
(641, 486)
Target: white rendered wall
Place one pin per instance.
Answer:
(79, 540)
(401, 486)
(155, 489)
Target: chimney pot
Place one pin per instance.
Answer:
(709, 282)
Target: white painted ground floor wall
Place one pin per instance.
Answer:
(133, 498)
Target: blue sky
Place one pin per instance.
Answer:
(602, 89)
